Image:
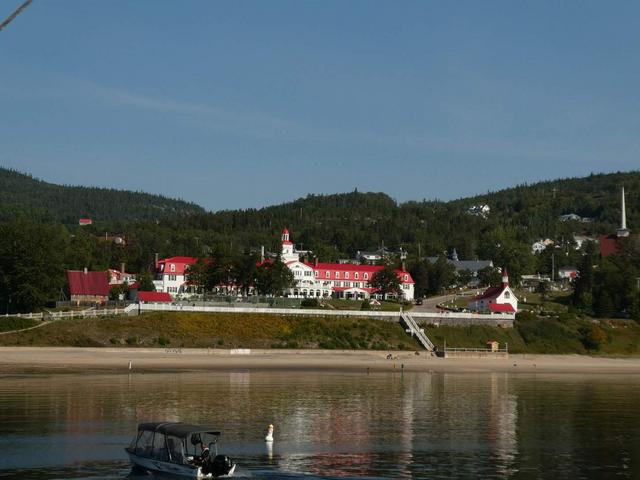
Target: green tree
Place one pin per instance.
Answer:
(245, 267)
(197, 274)
(463, 277)
(273, 278)
(145, 282)
(489, 276)
(441, 275)
(386, 281)
(420, 274)
(31, 265)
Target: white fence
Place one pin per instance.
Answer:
(471, 317)
(90, 312)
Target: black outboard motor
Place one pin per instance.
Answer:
(218, 466)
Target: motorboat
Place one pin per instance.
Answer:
(178, 448)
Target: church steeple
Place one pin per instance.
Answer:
(505, 277)
(623, 231)
(288, 254)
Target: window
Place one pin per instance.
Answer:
(346, 274)
(315, 273)
(355, 275)
(406, 278)
(337, 274)
(347, 284)
(172, 267)
(327, 274)
(172, 277)
(366, 276)
(507, 295)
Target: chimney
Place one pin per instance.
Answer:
(122, 267)
(315, 261)
(85, 270)
(156, 264)
(404, 266)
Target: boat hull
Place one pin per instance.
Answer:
(185, 471)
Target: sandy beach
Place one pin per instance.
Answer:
(91, 360)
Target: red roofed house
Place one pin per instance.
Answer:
(171, 275)
(85, 221)
(154, 297)
(88, 287)
(496, 299)
(335, 279)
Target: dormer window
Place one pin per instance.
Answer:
(346, 274)
(315, 273)
(406, 278)
(172, 267)
(355, 275)
(337, 274)
(327, 274)
(366, 276)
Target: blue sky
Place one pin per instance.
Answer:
(244, 104)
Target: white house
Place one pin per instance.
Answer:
(496, 299)
(342, 280)
(171, 275)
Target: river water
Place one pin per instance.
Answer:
(378, 425)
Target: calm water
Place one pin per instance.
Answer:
(332, 424)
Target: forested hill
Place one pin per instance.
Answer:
(22, 195)
(339, 225)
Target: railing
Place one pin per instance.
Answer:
(90, 312)
(476, 350)
(416, 331)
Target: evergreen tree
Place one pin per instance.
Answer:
(31, 265)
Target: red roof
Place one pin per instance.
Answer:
(89, 283)
(491, 292)
(85, 221)
(501, 307)
(608, 245)
(332, 268)
(181, 263)
(154, 297)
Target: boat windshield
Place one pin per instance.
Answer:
(176, 449)
(143, 444)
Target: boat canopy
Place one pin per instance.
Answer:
(177, 429)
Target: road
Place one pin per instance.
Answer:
(430, 304)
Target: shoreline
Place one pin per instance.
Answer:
(38, 360)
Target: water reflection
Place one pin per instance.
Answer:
(416, 425)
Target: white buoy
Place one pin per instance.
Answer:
(129, 364)
(269, 437)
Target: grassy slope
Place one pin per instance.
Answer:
(543, 335)
(219, 330)
(16, 323)
(546, 335)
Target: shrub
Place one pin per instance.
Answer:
(365, 305)
(163, 341)
(114, 341)
(310, 303)
(132, 340)
(593, 337)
